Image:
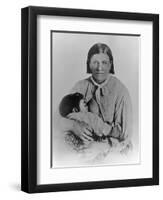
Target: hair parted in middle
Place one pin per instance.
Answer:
(100, 48)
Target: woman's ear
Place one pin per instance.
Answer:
(74, 110)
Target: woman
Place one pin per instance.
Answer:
(106, 96)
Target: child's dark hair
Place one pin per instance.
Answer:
(69, 102)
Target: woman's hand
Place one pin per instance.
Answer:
(82, 130)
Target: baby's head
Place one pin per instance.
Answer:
(72, 103)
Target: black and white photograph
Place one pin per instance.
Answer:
(95, 91)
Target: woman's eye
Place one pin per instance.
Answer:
(95, 62)
(104, 62)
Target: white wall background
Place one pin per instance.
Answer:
(10, 79)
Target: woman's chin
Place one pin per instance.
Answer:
(99, 80)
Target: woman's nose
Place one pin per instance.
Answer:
(99, 66)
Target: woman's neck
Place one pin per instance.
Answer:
(100, 83)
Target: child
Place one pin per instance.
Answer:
(74, 107)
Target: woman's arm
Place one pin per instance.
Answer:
(122, 123)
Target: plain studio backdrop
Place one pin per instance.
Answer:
(10, 101)
(69, 57)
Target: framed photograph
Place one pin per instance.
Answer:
(90, 99)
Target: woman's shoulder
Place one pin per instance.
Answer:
(83, 82)
(118, 85)
(81, 85)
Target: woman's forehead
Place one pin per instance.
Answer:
(100, 56)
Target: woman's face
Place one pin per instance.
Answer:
(100, 66)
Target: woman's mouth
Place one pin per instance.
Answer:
(99, 73)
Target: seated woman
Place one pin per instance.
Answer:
(107, 97)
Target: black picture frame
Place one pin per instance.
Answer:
(29, 98)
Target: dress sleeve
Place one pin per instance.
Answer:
(98, 125)
(122, 123)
